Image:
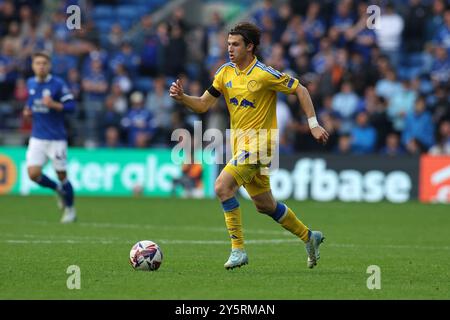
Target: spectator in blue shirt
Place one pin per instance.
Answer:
(313, 24)
(440, 70)
(393, 146)
(115, 38)
(361, 38)
(109, 117)
(419, 127)
(152, 54)
(62, 62)
(128, 58)
(436, 19)
(112, 138)
(345, 104)
(400, 104)
(138, 122)
(341, 21)
(442, 37)
(95, 86)
(363, 136)
(388, 85)
(267, 10)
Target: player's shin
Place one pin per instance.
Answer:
(232, 214)
(46, 182)
(286, 217)
(67, 192)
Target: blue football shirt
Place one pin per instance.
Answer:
(48, 123)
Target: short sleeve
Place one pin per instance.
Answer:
(217, 82)
(64, 93)
(281, 82)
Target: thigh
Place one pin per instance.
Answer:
(37, 153)
(242, 173)
(57, 152)
(260, 184)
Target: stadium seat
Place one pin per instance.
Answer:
(103, 12)
(126, 24)
(104, 25)
(143, 84)
(127, 12)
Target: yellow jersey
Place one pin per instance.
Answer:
(251, 96)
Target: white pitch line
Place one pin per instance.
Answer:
(165, 227)
(162, 241)
(109, 241)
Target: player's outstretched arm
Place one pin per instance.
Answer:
(319, 133)
(196, 104)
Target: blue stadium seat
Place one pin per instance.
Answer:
(104, 25)
(144, 84)
(126, 24)
(103, 11)
(127, 12)
(140, 2)
(143, 9)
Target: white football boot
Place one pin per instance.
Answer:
(238, 258)
(69, 215)
(312, 248)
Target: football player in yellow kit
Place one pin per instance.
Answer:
(249, 88)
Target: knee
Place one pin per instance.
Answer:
(34, 174)
(61, 176)
(222, 191)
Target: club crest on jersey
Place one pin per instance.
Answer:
(253, 86)
(229, 84)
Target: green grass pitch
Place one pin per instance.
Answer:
(409, 242)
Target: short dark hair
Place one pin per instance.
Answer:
(42, 54)
(250, 32)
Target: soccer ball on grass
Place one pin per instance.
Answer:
(146, 255)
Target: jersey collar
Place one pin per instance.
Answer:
(248, 69)
(47, 79)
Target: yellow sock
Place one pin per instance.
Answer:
(286, 217)
(232, 214)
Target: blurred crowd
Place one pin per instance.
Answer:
(376, 88)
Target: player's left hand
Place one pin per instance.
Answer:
(320, 134)
(47, 101)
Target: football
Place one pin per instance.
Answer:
(146, 255)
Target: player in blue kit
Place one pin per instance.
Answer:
(49, 99)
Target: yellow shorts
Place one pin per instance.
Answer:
(249, 176)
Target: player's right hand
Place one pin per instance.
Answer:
(320, 134)
(176, 90)
(27, 112)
